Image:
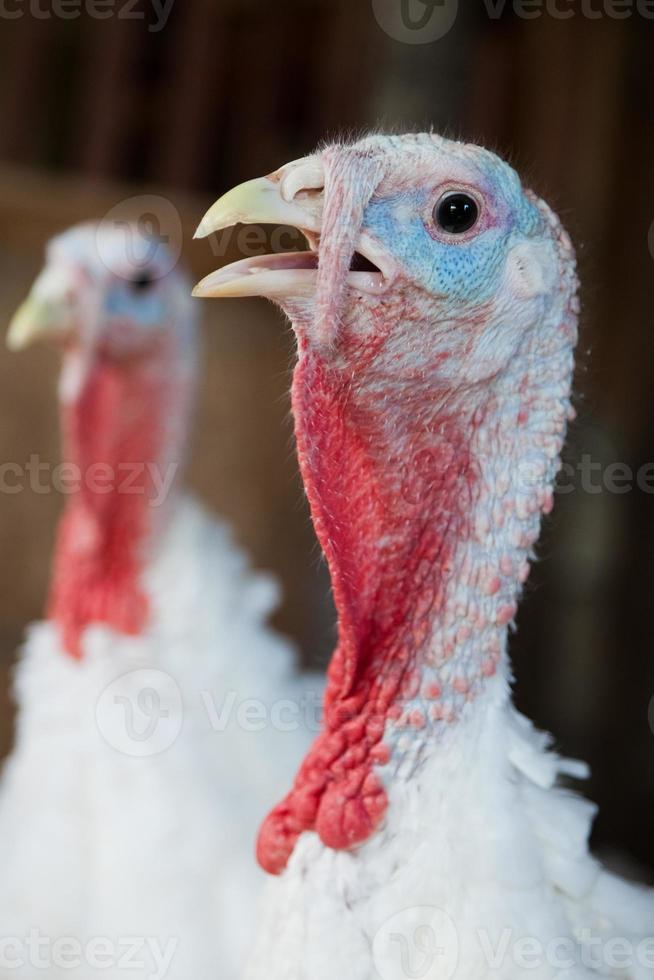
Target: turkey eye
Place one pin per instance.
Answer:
(456, 213)
(142, 282)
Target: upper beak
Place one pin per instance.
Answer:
(271, 200)
(45, 313)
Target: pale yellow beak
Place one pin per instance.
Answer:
(292, 196)
(46, 313)
(261, 201)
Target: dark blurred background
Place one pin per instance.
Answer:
(93, 111)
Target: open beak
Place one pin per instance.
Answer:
(46, 313)
(292, 196)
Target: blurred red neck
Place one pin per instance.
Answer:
(115, 436)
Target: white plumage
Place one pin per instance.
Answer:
(481, 870)
(130, 803)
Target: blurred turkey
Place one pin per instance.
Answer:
(427, 830)
(150, 737)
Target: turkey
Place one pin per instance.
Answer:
(158, 715)
(427, 833)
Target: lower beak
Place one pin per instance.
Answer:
(281, 276)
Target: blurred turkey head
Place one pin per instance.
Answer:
(107, 291)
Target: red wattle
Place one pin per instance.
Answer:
(388, 516)
(112, 435)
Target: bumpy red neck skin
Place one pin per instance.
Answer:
(117, 436)
(426, 495)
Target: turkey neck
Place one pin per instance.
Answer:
(427, 500)
(123, 427)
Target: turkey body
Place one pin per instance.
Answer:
(130, 803)
(158, 714)
(482, 869)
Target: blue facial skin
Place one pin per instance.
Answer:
(466, 270)
(124, 302)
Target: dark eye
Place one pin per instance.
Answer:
(142, 282)
(456, 213)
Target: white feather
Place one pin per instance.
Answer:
(482, 858)
(100, 844)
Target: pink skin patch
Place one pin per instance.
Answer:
(113, 432)
(389, 553)
(506, 613)
(417, 719)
